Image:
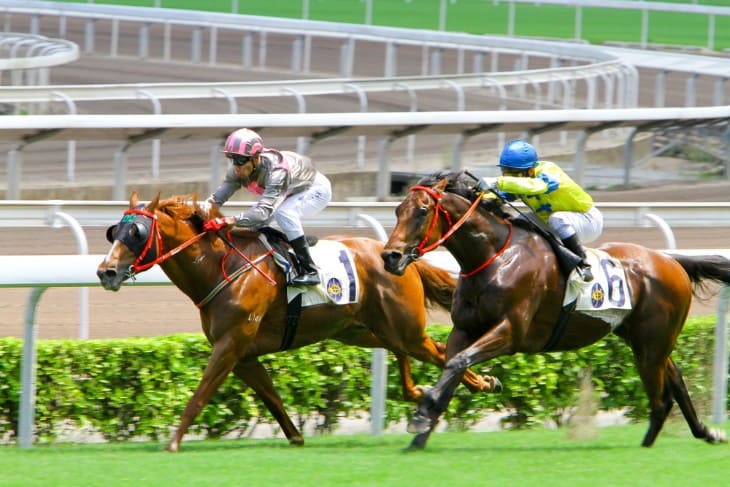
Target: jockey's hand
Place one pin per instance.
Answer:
(207, 205)
(485, 184)
(215, 224)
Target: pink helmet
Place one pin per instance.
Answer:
(244, 142)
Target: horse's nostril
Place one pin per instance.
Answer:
(389, 255)
(108, 273)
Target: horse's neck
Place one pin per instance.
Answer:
(199, 268)
(479, 238)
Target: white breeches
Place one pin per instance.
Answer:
(307, 203)
(588, 226)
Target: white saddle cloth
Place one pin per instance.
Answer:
(337, 273)
(607, 296)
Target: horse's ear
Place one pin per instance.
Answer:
(134, 199)
(153, 203)
(441, 185)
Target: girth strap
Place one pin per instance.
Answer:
(565, 313)
(293, 311)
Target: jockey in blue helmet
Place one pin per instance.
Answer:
(551, 194)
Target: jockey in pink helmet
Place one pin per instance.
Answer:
(288, 185)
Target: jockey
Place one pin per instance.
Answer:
(288, 186)
(554, 197)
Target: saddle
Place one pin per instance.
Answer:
(281, 245)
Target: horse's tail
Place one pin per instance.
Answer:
(438, 285)
(705, 267)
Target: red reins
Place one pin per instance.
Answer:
(423, 247)
(156, 237)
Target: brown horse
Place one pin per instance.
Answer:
(245, 315)
(510, 294)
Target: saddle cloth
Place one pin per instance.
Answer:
(338, 275)
(607, 296)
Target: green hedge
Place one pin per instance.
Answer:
(138, 387)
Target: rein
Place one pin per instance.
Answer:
(423, 247)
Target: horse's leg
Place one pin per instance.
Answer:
(493, 344)
(681, 395)
(660, 401)
(362, 337)
(254, 374)
(222, 360)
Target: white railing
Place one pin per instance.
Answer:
(345, 214)
(317, 126)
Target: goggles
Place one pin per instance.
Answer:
(239, 160)
(514, 172)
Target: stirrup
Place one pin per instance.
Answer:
(307, 278)
(584, 270)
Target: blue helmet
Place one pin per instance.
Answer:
(518, 154)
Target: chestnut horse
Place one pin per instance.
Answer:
(244, 315)
(510, 294)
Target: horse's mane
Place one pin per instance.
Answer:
(185, 207)
(462, 184)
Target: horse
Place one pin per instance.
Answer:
(242, 296)
(509, 298)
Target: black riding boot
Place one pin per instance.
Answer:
(574, 245)
(308, 273)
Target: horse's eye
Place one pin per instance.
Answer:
(423, 211)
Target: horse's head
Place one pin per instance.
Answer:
(423, 223)
(137, 240)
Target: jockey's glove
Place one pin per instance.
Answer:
(215, 224)
(486, 183)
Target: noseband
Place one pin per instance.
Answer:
(423, 247)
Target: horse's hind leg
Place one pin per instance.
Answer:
(681, 395)
(254, 374)
(660, 401)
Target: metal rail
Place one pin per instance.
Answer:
(35, 213)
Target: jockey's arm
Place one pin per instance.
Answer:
(523, 186)
(223, 193)
(275, 192)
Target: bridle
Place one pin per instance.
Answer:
(439, 210)
(154, 240)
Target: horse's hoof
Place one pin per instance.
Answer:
(424, 389)
(413, 447)
(296, 441)
(716, 436)
(419, 424)
(496, 385)
(172, 448)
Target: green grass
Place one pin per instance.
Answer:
(484, 17)
(524, 458)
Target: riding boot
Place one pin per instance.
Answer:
(574, 245)
(308, 273)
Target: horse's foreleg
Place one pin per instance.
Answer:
(255, 376)
(221, 362)
(492, 344)
(411, 392)
(681, 395)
